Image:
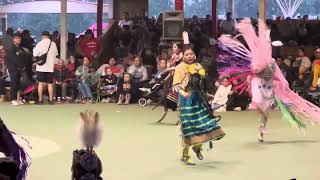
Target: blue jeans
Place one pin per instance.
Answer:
(85, 90)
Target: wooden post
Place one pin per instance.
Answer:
(231, 6)
(214, 18)
(63, 30)
(99, 17)
(262, 10)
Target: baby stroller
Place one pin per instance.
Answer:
(166, 97)
(154, 93)
(29, 87)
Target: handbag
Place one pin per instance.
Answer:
(41, 60)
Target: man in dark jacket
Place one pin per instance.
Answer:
(15, 61)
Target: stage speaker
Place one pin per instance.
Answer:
(173, 25)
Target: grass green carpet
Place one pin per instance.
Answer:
(133, 148)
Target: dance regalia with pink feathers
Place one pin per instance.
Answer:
(255, 70)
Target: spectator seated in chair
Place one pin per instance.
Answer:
(137, 71)
(301, 65)
(219, 103)
(108, 85)
(84, 74)
(61, 80)
(316, 70)
(117, 69)
(73, 84)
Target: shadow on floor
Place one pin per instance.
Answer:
(162, 124)
(290, 142)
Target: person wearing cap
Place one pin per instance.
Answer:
(45, 72)
(16, 62)
(90, 46)
(316, 70)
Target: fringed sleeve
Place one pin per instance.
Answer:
(180, 78)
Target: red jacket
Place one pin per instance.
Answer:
(71, 70)
(90, 47)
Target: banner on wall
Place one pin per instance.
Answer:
(179, 5)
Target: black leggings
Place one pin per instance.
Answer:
(15, 84)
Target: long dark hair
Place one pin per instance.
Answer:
(13, 150)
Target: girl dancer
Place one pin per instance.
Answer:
(257, 72)
(197, 123)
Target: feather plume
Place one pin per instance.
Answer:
(90, 129)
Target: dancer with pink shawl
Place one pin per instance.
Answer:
(253, 66)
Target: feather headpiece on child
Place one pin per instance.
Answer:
(90, 129)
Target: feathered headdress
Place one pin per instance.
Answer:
(240, 62)
(90, 129)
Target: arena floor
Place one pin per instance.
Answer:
(134, 148)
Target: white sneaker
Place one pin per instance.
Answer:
(15, 103)
(148, 90)
(108, 100)
(21, 102)
(142, 89)
(237, 109)
(103, 100)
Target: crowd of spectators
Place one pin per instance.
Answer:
(141, 56)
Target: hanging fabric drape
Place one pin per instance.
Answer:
(289, 7)
(179, 5)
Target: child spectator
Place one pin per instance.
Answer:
(108, 85)
(84, 73)
(219, 103)
(125, 89)
(176, 54)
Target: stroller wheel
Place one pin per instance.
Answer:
(142, 102)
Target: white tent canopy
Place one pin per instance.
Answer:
(289, 7)
(50, 6)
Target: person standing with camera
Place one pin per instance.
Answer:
(16, 62)
(45, 53)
